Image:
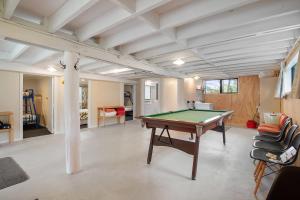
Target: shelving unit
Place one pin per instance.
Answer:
(10, 120)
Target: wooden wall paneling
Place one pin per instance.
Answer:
(243, 103)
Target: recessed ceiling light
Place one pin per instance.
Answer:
(178, 62)
(51, 69)
(196, 77)
(115, 71)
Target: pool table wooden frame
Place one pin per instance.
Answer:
(191, 147)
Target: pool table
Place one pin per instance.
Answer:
(194, 122)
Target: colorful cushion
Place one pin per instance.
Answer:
(269, 126)
(267, 129)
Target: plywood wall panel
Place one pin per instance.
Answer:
(243, 103)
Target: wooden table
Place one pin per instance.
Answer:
(103, 117)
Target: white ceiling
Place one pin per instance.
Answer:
(215, 38)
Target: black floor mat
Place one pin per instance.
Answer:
(33, 132)
(11, 173)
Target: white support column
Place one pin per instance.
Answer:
(71, 111)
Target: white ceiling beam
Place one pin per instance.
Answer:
(233, 68)
(83, 61)
(250, 55)
(156, 52)
(124, 74)
(36, 37)
(128, 5)
(145, 43)
(237, 63)
(164, 58)
(263, 48)
(9, 8)
(4, 55)
(135, 32)
(251, 31)
(42, 55)
(102, 23)
(265, 58)
(115, 17)
(200, 66)
(203, 5)
(94, 66)
(248, 14)
(65, 14)
(273, 25)
(18, 51)
(264, 40)
(152, 19)
(51, 60)
(197, 10)
(26, 69)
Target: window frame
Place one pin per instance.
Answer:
(212, 80)
(237, 84)
(221, 86)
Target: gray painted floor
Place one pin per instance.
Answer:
(114, 167)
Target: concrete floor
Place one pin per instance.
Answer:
(114, 167)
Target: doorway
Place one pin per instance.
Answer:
(129, 101)
(37, 106)
(83, 101)
(150, 97)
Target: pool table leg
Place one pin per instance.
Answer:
(223, 132)
(151, 146)
(196, 152)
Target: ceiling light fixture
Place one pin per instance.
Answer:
(196, 77)
(178, 62)
(51, 69)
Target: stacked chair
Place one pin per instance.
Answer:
(273, 129)
(268, 147)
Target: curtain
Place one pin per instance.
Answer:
(296, 93)
(279, 87)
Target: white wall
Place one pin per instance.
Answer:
(58, 104)
(168, 94)
(10, 100)
(172, 94)
(190, 86)
(105, 93)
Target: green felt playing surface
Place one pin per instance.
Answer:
(193, 116)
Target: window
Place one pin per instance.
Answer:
(288, 75)
(147, 92)
(151, 90)
(229, 86)
(221, 86)
(293, 72)
(212, 87)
